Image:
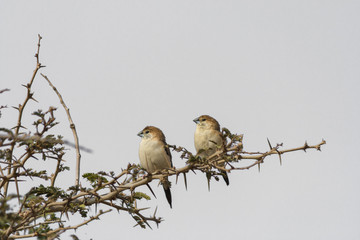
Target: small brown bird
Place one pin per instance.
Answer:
(208, 138)
(155, 155)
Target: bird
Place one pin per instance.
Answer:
(208, 139)
(155, 155)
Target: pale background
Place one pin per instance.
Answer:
(286, 70)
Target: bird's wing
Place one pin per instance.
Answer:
(215, 139)
(168, 154)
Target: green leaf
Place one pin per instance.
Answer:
(140, 195)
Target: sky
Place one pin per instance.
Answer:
(284, 70)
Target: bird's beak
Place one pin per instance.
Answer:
(196, 120)
(140, 134)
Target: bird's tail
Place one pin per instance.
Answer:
(166, 185)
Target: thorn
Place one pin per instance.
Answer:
(157, 222)
(151, 190)
(177, 176)
(148, 225)
(269, 143)
(185, 181)
(259, 165)
(231, 166)
(142, 209)
(155, 211)
(34, 99)
(208, 176)
(305, 146)
(17, 190)
(279, 157)
(67, 216)
(21, 127)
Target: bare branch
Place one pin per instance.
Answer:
(72, 126)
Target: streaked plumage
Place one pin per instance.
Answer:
(208, 138)
(155, 155)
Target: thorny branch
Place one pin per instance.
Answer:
(41, 211)
(20, 108)
(60, 229)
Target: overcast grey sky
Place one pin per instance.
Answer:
(286, 70)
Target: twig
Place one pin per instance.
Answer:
(4, 90)
(54, 176)
(72, 126)
(38, 224)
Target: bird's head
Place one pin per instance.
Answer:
(207, 122)
(151, 132)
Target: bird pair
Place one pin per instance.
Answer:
(155, 154)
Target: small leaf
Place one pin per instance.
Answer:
(140, 195)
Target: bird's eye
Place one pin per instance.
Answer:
(203, 119)
(147, 131)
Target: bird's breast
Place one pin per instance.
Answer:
(153, 156)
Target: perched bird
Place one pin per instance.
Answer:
(208, 139)
(155, 155)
